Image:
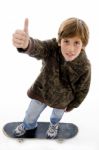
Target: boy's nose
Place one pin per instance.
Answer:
(71, 49)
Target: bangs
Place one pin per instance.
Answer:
(72, 30)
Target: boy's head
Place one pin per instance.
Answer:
(73, 36)
(74, 27)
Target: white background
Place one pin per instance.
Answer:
(19, 71)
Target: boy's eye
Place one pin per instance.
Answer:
(77, 42)
(66, 41)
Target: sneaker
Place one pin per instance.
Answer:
(52, 130)
(20, 130)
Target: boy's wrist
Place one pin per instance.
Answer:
(28, 44)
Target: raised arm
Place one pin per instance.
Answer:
(33, 47)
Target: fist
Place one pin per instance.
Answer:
(20, 38)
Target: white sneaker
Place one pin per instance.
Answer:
(20, 130)
(52, 130)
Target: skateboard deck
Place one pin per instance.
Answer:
(66, 131)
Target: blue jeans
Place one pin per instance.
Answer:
(33, 112)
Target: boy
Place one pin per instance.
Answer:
(65, 77)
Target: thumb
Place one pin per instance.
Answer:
(26, 25)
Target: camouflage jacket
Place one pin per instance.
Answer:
(60, 83)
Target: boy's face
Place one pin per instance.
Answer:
(71, 47)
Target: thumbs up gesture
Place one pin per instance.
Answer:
(20, 38)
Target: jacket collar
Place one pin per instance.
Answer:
(76, 67)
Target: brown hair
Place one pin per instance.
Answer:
(74, 27)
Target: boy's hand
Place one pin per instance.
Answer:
(68, 109)
(21, 37)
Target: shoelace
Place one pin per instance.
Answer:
(52, 128)
(21, 127)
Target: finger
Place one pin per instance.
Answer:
(26, 25)
(17, 44)
(19, 36)
(17, 41)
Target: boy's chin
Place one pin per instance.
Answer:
(70, 59)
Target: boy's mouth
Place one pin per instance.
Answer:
(70, 54)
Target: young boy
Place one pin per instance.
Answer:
(65, 77)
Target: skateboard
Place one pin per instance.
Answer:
(66, 131)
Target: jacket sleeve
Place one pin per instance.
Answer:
(82, 89)
(39, 49)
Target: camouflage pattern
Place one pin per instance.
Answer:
(60, 83)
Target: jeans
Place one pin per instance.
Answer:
(33, 112)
